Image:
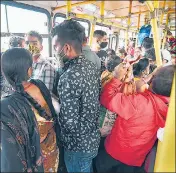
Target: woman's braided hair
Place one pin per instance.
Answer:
(15, 65)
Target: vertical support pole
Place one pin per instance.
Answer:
(92, 30)
(165, 33)
(139, 18)
(166, 148)
(129, 21)
(102, 10)
(155, 30)
(68, 9)
(91, 33)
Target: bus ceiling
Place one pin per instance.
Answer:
(115, 13)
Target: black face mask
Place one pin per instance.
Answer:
(103, 44)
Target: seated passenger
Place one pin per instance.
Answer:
(99, 43)
(25, 142)
(140, 115)
(141, 70)
(110, 52)
(90, 55)
(131, 48)
(122, 53)
(42, 70)
(150, 54)
(110, 64)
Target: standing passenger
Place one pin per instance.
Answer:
(78, 91)
(90, 55)
(42, 70)
(100, 43)
(140, 115)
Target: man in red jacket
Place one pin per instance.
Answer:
(139, 117)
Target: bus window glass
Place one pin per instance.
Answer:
(86, 26)
(4, 43)
(22, 20)
(103, 28)
(45, 47)
(59, 20)
(3, 19)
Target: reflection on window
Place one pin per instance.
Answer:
(22, 20)
(3, 19)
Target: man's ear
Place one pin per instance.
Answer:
(29, 72)
(67, 50)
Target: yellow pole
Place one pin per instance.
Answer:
(102, 9)
(165, 157)
(68, 8)
(165, 33)
(139, 17)
(91, 34)
(129, 21)
(155, 30)
(162, 15)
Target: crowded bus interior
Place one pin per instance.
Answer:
(88, 86)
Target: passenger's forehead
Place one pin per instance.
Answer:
(31, 38)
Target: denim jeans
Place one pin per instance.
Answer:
(79, 161)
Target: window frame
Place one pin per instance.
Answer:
(31, 8)
(77, 19)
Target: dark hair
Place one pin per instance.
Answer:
(36, 34)
(70, 32)
(122, 51)
(162, 81)
(113, 62)
(16, 41)
(112, 51)
(139, 67)
(150, 54)
(15, 64)
(99, 34)
(169, 33)
(147, 43)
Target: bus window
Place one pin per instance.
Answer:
(86, 26)
(31, 20)
(104, 28)
(3, 19)
(20, 21)
(4, 43)
(59, 20)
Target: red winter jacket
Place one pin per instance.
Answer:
(139, 117)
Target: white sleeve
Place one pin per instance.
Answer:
(160, 134)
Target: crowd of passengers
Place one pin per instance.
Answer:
(97, 111)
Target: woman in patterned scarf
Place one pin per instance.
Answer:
(28, 119)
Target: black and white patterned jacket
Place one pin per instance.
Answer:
(78, 91)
